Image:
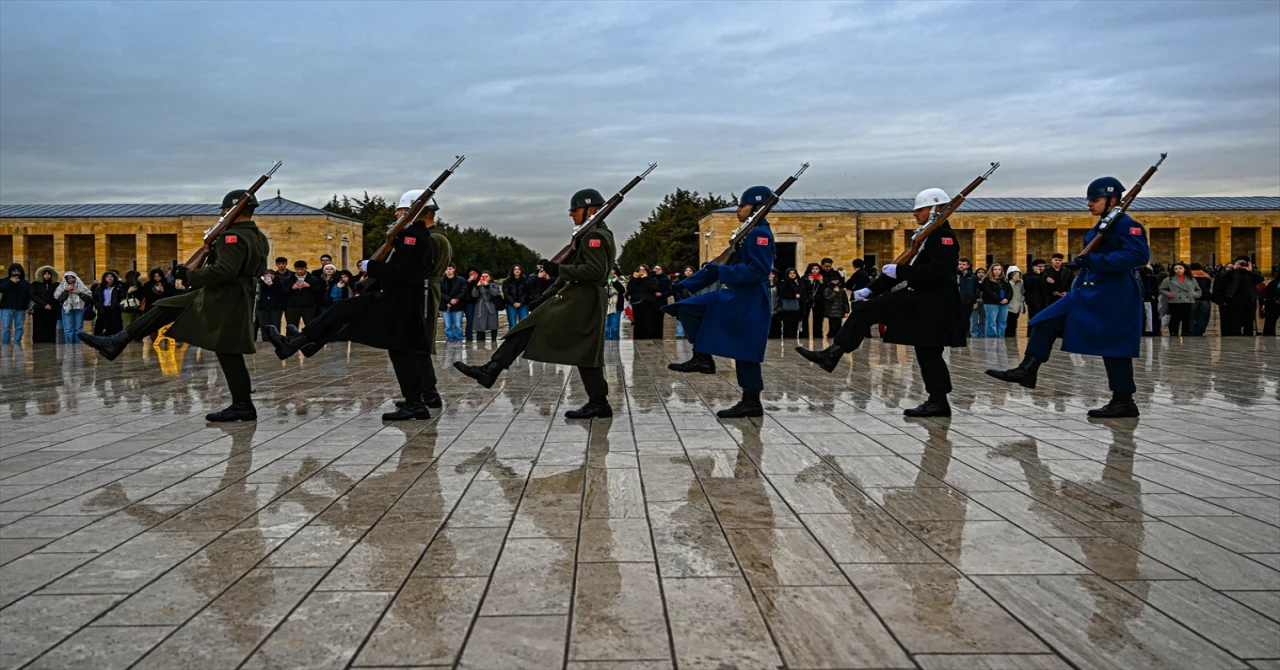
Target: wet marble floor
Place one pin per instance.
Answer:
(832, 534)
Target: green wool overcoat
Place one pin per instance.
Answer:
(217, 313)
(568, 327)
(444, 255)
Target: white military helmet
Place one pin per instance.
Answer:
(406, 200)
(931, 197)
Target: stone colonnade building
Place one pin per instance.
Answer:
(91, 239)
(1009, 230)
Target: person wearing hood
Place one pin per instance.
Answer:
(217, 312)
(45, 310)
(75, 298)
(107, 295)
(15, 295)
(1017, 302)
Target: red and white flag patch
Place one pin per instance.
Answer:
(231, 239)
(411, 241)
(762, 241)
(948, 241)
(593, 243)
(1135, 231)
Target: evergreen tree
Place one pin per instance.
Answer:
(669, 236)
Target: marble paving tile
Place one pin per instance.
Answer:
(990, 662)
(1111, 559)
(688, 541)
(613, 493)
(715, 624)
(613, 540)
(935, 609)
(1266, 602)
(828, 627)
(426, 623)
(37, 623)
(1240, 534)
(783, 557)
(532, 577)
(1200, 559)
(1218, 618)
(133, 564)
(382, 559)
(461, 552)
(525, 642)
(618, 613)
(102, 648)
(1097, 624)
(867, 536)
(323, 632)
(993, 548)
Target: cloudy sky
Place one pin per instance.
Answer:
(180, 102)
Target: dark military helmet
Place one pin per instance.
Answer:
(230, 199)
(587, 197)
(1105, 187)
(756, 195)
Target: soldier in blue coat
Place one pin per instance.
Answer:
(732, 322)
(1102, 314)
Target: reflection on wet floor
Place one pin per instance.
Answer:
(833, 533)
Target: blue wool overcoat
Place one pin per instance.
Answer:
(732, 322)
(1104, 307)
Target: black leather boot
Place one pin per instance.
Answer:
(431, 400)
(109, 346)
(1024, 374)
(285, 346)
(747, 407)
(411, 411)
(701, 363)
(486, 375)
(240, 411)
(1121, 406)
(827, 359)
(931, 407)
(591, 410)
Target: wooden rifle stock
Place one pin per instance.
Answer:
(600, 215)
(202, 254)
(917, 240)
(1104, 224)
(762, 211)
(410, 215)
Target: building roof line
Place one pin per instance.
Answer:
(277, 206)
(1075, 205)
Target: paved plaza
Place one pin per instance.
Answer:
(1016, 535)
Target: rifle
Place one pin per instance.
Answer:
(1104, 224)
(198, 258)
(410, 215)
(740, 234)
(599, 216)
(939, 217)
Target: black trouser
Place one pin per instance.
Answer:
(790, 324)
(415, 370)
(295, 313)
(833, 325)
(1040, 345)
(819, 315)
(1269, 323)
(233, 367)
(1011, 325)
(1237, 316)
(1179, 317)
(515, 344)
(269, 317)
(864, 315)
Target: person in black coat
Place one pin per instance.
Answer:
(303, 294)
(640, 293)
(107, 294)
(788, 314)
(1236, 292)
(270, 301)
(15, 296)
(46, 312)
(1057, 279)
(514, 293)
(453, 289)
(810, 295)
(1271, 306)
(1035, 293)
(927, 314)
(662, 291)
(388, 315)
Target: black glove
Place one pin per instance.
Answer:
(549, 267)
(1081, 261)
(180, 272)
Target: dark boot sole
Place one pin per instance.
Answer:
(594, 415)
(480, 378)
(924, 415)
(1127, 415)
(410, 417)
(210, 419)
(817, 359)
(676, 367)
(102, 349)
(1012, 379)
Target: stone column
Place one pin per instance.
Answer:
(1224, 244)
(20, 252)
(140, 253)
(899, 243)
(1264, 250)
(1182, 245)
(99, 255)
(1062, 242)
(1020, 247)
(979, 246)
(60, 252)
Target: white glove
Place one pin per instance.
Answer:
(363, 265)
(891, 270)
(864, 293)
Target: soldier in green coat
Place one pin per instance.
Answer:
(568, 327)
(217, 314)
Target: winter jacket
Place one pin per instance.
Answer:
(835, 301)
(995, 290)
(451, 289)
(42, 291)
(1180, 291)
(485, 316)
(311, 296)
(1206, 284)
(1017, 303)
(155, 290)
(859, 280)
(1236, 282)
(72, 299)
(787, 289)
(269, 294)
(967, 282)
(617, 296)
(1035, 292)
(513, 290)
(536, 287)
(15, 294)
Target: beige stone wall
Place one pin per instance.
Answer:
(89, 246)
(844, 235)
